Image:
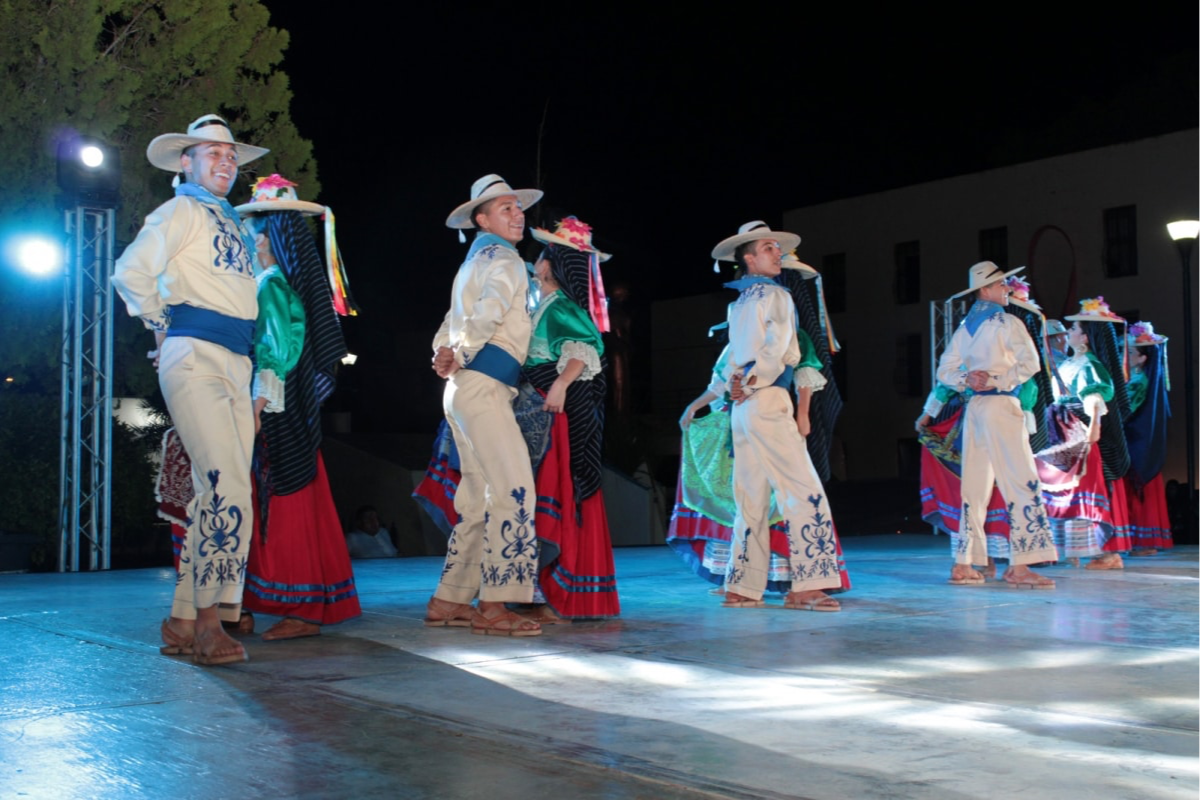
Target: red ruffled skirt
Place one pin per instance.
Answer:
(941, 492)
(1089, 500)
(1092, 517)
(1149, 521)
(301, 567)
(581, 582)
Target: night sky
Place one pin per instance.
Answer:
(666, 131)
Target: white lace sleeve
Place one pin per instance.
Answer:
(583, 352)
(933, 406)
(267, 384)
(1094, 405)
(809, 378)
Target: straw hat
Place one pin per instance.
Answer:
(1094, 309)
(487, 188)
(277, 193)
(985, 273)
(570, 232)
(1141, 334)
(164, 151)
(1018, 294)
(751, 232)
(789, 261)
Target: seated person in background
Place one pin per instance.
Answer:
(369, 539)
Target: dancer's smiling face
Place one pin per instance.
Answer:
(213, 165)
(502, 216)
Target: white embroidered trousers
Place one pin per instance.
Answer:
(492, 552)
(769, 454)
(996, 453)
(207, 389)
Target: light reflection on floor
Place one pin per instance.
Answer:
(916, 689)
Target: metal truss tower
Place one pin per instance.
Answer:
(944, 317)
(85, 477)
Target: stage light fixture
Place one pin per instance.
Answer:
(89, 173)
(39, 256)
(91, 156)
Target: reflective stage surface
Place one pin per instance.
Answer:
(916, 689)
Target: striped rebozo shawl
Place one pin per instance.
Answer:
(1106, 346)
(293, 436)
(826, 405)
(584, 404)
(1034, 323)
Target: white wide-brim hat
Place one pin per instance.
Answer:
(985, 273)
(1055, 328)
(164, 151)
(751, 232)
(487, 188)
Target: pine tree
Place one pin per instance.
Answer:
(123, 71)
(127, 70)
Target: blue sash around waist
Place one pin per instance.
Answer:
(235, 335)
(784, 381)
(496, 362)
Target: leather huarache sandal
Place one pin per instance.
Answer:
(1028, 581)
(737, 601)
(962, 575)
(543, 615)
(503, 622)
(291, 628)
(235, 654)
(174, 644)
(444, 614)
(820, 602)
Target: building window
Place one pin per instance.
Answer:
(908, 272)
(993, 246)
(1120, 242)
(833, 281)
(907, 373)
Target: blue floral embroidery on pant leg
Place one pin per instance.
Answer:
(742, 556)
(964, 537)
(519, 549)
(1037, 525)
(220, 526)
(820, 548)
(219, 534)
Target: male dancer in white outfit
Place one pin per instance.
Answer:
(492, 553)
(189, 276)
(768, 451)
(992, 354)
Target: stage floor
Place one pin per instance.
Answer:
(916, 689)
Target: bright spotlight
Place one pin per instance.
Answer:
(91, 156)
(89, 173)
(349, 359)
(39, 256)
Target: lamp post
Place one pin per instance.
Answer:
(1184, 232)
